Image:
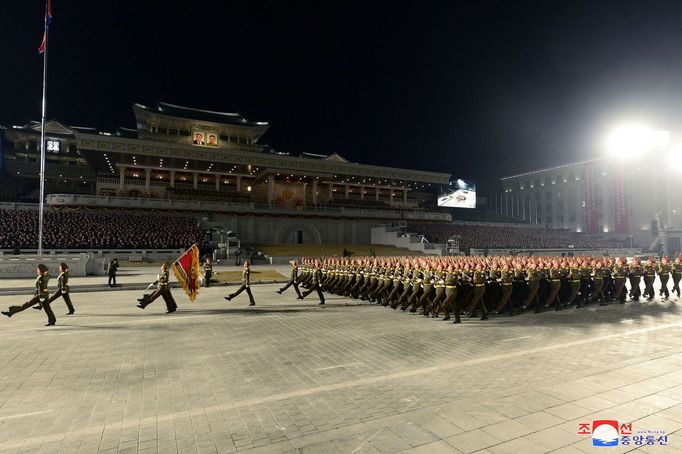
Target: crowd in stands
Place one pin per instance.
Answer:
(97, 230)
(507, 237)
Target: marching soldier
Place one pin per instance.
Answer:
(664, 275)
(506, 282)
(554, 277)
(293, 275)
(41, 297)
(163, 290)
(533, 277)
(635, 274)
(478, 292)
(450, 303)
(63, 288)
(574, 281)
(208, 270)
(649, 277)
(317, 277)
(246, 284)
(598, 274)
(619, 272)
(677, 275)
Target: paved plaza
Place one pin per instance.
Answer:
(348, 377)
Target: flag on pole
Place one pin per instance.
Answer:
(48, 22)
(186, 270)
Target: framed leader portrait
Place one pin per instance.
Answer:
(198, 138)
(212, 139)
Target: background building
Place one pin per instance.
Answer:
(637, 199)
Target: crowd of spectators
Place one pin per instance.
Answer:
(507, 237)
(67, 229)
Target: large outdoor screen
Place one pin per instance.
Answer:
(459, 194)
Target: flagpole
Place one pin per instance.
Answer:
(42, 141)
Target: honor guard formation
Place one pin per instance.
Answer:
(443, 286)
(457, 286)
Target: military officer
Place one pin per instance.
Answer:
(63, 288)
(246, 284)
(293, 276)
(163, 290)
(41, 296)
(315, 287)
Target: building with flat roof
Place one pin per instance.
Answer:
(639, 199)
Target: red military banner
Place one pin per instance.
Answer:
(186, 270)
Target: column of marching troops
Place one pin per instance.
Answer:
(433, 286)
(456, 286)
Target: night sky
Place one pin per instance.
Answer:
(478, 89)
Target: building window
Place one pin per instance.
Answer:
(571, 176)
(172, 132)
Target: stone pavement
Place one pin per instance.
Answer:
(291, 376)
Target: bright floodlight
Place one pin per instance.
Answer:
(631, 140)
(674, 159)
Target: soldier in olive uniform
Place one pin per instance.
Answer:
(315, 287)
(649, 277)
(506, 282)
(533, 277)
(111, 272)
(439, 297)
(208, 271)
(63, 288)
(677, 275)
(246, 284)
(663, 276)
(450, 303)
(478, 292)
(598, 274)
(554, 277)
(293, 276)
(619, 273)
(574, 282)
(635, 274)
(41, 296)
(163, 291)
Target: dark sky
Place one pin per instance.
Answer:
(478, 89)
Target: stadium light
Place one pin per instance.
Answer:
(674, 159)
(630, 140)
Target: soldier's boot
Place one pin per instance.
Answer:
(457, 310)
(12, 310)
(144, 301)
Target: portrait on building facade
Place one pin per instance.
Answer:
(212, 140)
(198, 138)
